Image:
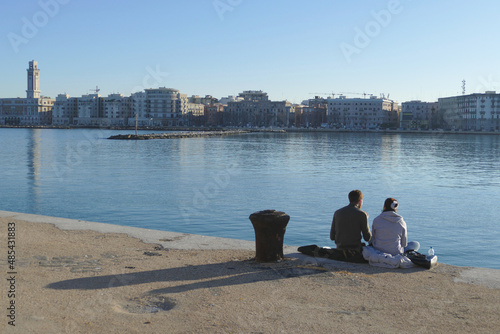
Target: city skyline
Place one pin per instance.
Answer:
(289, 49)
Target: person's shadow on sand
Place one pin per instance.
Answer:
(193, 277)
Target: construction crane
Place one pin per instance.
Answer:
(328, 94)
(353, 93)
(332, 94)
(96, 90)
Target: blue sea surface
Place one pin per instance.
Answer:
(448, 185)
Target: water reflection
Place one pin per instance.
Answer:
(34, 169)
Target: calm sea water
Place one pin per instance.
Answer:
(448, 186)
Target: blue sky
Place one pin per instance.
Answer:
(290, 49)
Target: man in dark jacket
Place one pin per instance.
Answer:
(349, 223)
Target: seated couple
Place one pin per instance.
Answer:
(350, 223)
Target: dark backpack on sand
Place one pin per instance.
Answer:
(422, 260)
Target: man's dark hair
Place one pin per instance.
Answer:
(355, 196)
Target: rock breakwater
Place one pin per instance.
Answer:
(174, 135)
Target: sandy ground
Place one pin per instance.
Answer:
(90, 282)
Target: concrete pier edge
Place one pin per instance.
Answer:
(184, 241)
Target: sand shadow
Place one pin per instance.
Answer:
(359, 268)
(192, 277)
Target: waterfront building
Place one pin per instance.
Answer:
(197, 114)
(22, 111)
(65, 110)
(194, 114)
(230, 98)
(313, 114)
(297, 117)
(418, 115)
(476, 112)
(139, 111)
(254, 96)
(362, 113)
(90, 110)
(118, 109)
(207, 100)
(165, 106)
(318, 100)
(153, 107)
(214, 114)
(256, 110)
(35, 109)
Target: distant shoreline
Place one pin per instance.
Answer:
(207, 129)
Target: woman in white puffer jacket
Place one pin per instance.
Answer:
(389, 231)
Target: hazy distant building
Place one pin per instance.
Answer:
(214, 114)
(255, 109)
(90, 110)
(194, 114)
(318, 100)
(65, 110)
(297, 115)
(138, 101)
(207, 100)
(165, 106)
(230, 98)
(117, 109)
(153, 107)
(313, 116)
(361, 113)
(254, 96)
(470, 112)
(418, 115)
(32, 110)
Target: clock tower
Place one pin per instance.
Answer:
(33, 91)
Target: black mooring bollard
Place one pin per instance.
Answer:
(270, 227)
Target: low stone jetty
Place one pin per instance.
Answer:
(174, 135)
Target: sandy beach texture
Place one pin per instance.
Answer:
(81, 277)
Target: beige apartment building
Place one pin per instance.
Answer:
(254, 109)
(362, 113)
(419, 115)
(164, 106)
(65, 110)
